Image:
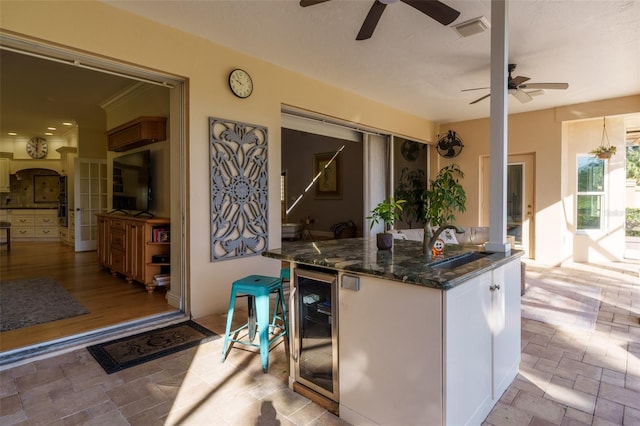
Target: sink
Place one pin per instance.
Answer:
(458, 261)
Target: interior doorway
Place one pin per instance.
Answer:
(84, 90)
(520, 201)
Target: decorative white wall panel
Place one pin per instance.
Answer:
(239, 189)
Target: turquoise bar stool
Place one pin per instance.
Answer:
(285, 274)
(258, 288)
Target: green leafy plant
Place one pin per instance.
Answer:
(444, 196)
(412, 185)
(604, 151)
(387, 212)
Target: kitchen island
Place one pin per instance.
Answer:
(420, 340)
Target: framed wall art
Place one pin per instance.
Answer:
(328, 186)
(46, 188)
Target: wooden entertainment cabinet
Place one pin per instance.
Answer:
(135, 247)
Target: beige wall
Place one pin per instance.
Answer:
(103, 30)
(555, 147)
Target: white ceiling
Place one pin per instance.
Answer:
(414, 63)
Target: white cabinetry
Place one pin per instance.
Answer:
(506, 326)
(467, 351)
(27, 224)
(4, 175)
(416, 355)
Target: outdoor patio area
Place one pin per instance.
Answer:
(568, 376)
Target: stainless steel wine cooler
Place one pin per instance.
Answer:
(314, 349)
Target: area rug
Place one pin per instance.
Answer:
(28, 302)
(134, 350)
(561, 303)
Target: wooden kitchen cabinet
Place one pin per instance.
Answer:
(128, 246)
(136, 133)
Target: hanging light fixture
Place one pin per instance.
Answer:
(605, 150)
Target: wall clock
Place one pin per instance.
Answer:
(240, 83)
(37, 147)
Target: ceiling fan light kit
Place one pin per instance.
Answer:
(515, 86)
(472, 27)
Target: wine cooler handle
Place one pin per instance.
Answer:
(292, 324)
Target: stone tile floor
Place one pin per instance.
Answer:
(567, 377)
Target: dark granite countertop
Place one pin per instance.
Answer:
(404, 263)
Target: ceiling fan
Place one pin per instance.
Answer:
(432, 8)
(516, 86)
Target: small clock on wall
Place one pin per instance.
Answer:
(240, 83)
(37, 147)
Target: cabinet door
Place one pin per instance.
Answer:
(467, 351)
(103, 241)
(4, 175)
(506, 326)
(135, 250)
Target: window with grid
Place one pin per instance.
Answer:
(591, 193)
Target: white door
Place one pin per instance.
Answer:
(520, 200)
(90, 198)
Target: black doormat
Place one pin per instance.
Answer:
(134, 350)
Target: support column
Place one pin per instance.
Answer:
(498, 152)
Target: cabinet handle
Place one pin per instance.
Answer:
(494, 287)
(45, 220)
(292, 326)
(46, 231)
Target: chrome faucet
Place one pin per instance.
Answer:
(430, 237)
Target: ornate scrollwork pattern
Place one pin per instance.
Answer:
(239, 189)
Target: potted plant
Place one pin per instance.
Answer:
(410, 188)
(604, 151)
(387, 212)
(444, 196)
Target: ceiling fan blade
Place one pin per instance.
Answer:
(480, 99)
(517, 81)
(475, 88)
(521, 95)
(370, 22)
(560, 86)
(305, 3)
(535, 92)
(435, 9)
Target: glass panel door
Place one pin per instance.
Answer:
(316, 332)
(90, 198)
(515, 191)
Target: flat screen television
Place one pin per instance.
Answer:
(132, 182)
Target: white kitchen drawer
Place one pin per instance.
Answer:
(18, 232)
(50, 232)
(19, 220)
(46, 220)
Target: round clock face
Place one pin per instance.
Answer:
(37, 147)
(240, 83)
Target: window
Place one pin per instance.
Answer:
(591, 193)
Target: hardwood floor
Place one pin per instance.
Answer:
(110, 299)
